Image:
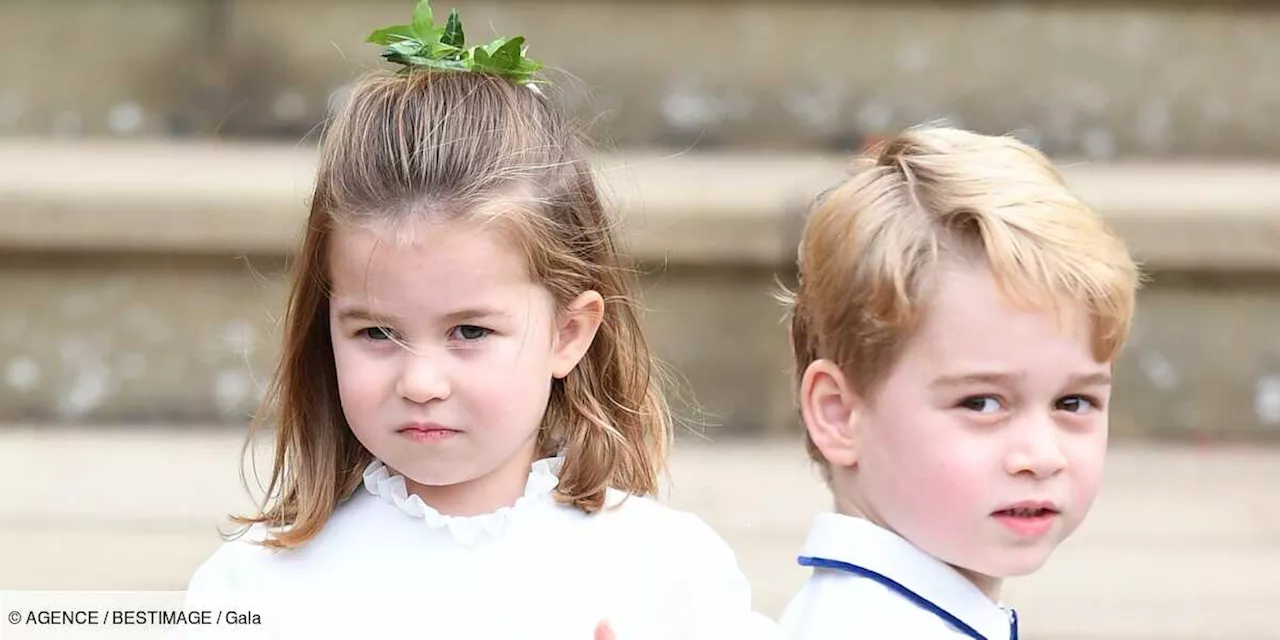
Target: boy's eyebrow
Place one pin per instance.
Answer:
(1099, 379)
(963, 379)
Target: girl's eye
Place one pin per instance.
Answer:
(1076, 404)
(981, 404)
(375, 333)
(470, 333)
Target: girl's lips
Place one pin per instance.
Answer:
(427, 432)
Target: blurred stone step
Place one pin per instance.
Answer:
(1098, 80)
(144, 280)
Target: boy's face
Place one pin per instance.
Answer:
(984, 445)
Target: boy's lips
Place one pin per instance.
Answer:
(1029, 518)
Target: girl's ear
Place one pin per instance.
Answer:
(575, 331)
(830, 410)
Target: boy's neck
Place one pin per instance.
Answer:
(989, 586)
(848, 506)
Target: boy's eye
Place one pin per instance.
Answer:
(375, 333)
(470, 332)
(981, 404)
(1076, 404)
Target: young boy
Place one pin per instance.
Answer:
(955, 325)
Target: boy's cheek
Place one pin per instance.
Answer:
(1086, 462)
(1087, 480)
(1087, 457)
(943, 496)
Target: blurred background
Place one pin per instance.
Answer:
(155, 159)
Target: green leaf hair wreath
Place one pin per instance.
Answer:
(424, 44)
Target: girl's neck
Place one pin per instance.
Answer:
(485, 494)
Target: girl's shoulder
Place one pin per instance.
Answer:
(649, 522)
(233, 565)
(242, 561)
(684, 555)
(631, 508)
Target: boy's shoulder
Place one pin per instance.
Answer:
(872, 581)
(833, 605)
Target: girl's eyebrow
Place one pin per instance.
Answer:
(360, 314)
(476, 313)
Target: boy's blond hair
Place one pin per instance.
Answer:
(932, 196)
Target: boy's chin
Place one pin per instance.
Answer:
(1015, 563)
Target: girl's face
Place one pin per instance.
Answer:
(445, 352)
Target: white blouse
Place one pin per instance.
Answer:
(386, 562)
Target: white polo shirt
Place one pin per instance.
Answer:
(870, 583)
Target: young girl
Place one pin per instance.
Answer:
(466, 424)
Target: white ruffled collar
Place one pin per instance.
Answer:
(390, 489)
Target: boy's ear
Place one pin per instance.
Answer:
(830, 410)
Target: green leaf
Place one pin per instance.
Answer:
(492, 47)
(507, 55)
(424, 24)
(423, 44)
(406, 47)
(391, 56)
(444, 51)
(391, 34)
(434, 63)
(528, 65)
(453, 35)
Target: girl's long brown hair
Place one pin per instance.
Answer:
(461, 145)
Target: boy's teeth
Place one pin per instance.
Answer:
(1025, 513)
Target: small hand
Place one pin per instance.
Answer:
(604, 632)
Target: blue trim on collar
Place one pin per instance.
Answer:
(919, 600)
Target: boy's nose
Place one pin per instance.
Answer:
(1037, 451)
